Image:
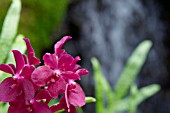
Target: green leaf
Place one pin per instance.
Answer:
(19, 45)
(90, 99)
(80, 110)
(147, 92)
(132, 68)
(101, 85)
(9, 29)
(4, 107)
(98, 87)
(53, 101)
(60, 111)
(131, 103)
(120, 106)
(138, 96)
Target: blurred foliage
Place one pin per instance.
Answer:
(9, 29)
(8, 38)
(9, 41)
(3, 108)
(39, 20)
(120, 100)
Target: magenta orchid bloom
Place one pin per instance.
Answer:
(73, 97)
(59, 68)
(19, 82)
(34, 105)
(30, 89)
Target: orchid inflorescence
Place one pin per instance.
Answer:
(30, 89)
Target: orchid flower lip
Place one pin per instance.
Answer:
(17, 76)
(45, 87)
(72, 82)
(32, 101)
(57, 72)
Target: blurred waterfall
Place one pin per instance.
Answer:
(110, 30)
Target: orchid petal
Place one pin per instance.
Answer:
(81, 72)
(72, 109)
(41, 75)
(76, 67)
(57, 88)
(70, 75)
(57, 107)
(18, 102)
(7, 69)
(43, 94)
(13, 67)
(9, 90)
(19, 60)
(31, 54)
(33, 60)
(65, 61)
(27, 71)
(76, 96)
(13, 109)
(76, 59)
(73, 66)
(28, 90)
(50, 60)
(39, 107)
(66, 97)
(60, 44)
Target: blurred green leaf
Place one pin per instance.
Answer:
(4, 107)
(120, 105)
(132, 68)
(116, 101)
(131, 103)
(19, 45)
(138, 96)
(53, 101)
(60, 111)
(101, 85)
(90, 99)
(98, 86)
(146, 92)
(80, 110)
(9, 29)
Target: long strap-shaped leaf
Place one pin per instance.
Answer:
(132, 69)
(9, 29)
(19, 45)
(137, 96)
(101, 85)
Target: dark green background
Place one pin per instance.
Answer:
(39, 20)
